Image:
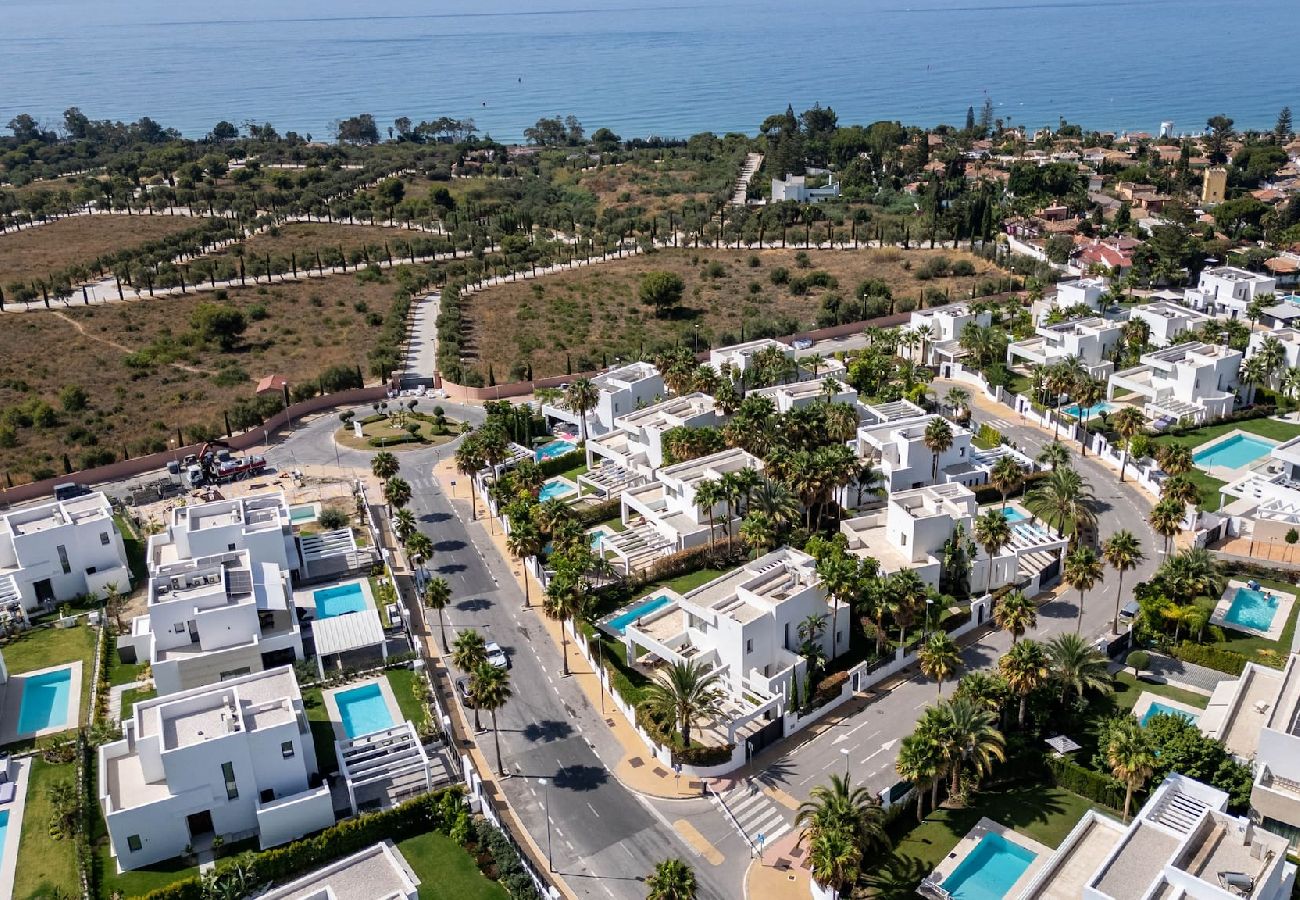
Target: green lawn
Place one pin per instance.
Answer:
(614, 524)
(322, 730)
(446, 871)
(688, 582)
(41, 648)
(135, 551)
(404, 683)
(1043, 813)
(1261, 649)
(133, 696)
(1209, 487)
(49, 865)
(578, 468)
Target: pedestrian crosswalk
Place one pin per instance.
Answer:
(760, 819)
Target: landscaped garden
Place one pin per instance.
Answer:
(401, 429)
(49, 864)
(46, 646)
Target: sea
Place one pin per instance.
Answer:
(650, 69)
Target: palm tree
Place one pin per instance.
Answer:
(1016, 614)
(397, 492)
(524, 541)
(1192, 573)
(758, 532)
(469, 462)
(906, 592)
(437, 594)
(1064, 501)
(1077, 665)
(467, 654)
(969, 736)
(684, 692)
(1166, 518)
(1026, 668)
(834, 860)
(1088, 392)
(1006, 477)
(1082, 572)
(1054, 455)
(839, 576)
(1122, 553)
(708, 494)
(566, 599)
(384, 465)
(403, 524)
(672, 879)
(581, 397)
(868, 480)
(993, 532)
(490, 688)
(939, 658)
(937, 439)
(419, 547)
(920, 762)
(840, 422)
(1131, 757)
(926, 333)
(1175, 459)
(957, 399)
(841, 807)
(1128, 423)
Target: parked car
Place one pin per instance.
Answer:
(496, 656)
(802, 344)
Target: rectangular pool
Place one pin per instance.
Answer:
(620, 622)
(1252, 609)
(1233, 453)
(4, 830)
(304, 513)
(1160, 709)
(335, 601)
(363, 710)
(45, 701)
(989, 871)
(1014, 515)
(554, 489)
(1088, 412)
(554, 449)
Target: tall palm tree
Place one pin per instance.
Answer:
(1122, 553)
(467, 653)
(419, 547)
(672, 879)
(581, 397)
(920, 762)
(684, 692)
(939, 658)
(1192, 573)
(397, 492)
(867, 479)
(490, 688)
(834, 860)
(758, 531)
(992, 532)
(1063, 500)
(1088, 392)
(732, 489)
(1082, 572)
(1077, 665)
(524, 541)
(840, 422)
(708, 494)
(1026, 668)
(1006, 477)
(840, 806)
(1054, 455)
(403, 524)
(938, 438)
(566, 599)
(1016, 614)
(969, 737)
(1166, 518)
(437, 594)
(957, 399)
(839, 576)
(1175, 459)
(1128, 422)
(384, 465)
(469, 462)
(906, 592)
(1130, 756)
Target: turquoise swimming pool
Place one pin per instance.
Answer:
(555, 488)
(1158, 709)
(620, 622)
(363, 710)
(1014, 515)
(1252, 609)
(1088, 412)
(1233, 453)
(304, 513)
(45, 701)
(4, 829)
(554, 449)
(989, 871)
(335, 601)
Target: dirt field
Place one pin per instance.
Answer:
(36, 252)
(594, 314)
(306, 328)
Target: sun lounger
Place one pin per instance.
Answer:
(7, 792)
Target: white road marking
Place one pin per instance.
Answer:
(887, 745)
(852, 731)
(593, 810)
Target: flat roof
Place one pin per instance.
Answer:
(350, 631)
(375, 873)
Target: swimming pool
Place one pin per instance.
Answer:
(1088, 412)
(1014, 515)
(45, 701)
(363, 710)
(4, 830)
(1252, 609)
(555, 488)
(620, 622)
(1157, 709)
(990, 870)
(554, 449)
(1233, 453)
(335, 601)
(304, 513)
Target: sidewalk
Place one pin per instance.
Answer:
(765, 881)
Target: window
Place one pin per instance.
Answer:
(63, 559)
(286, 749)
(104, 538)
(749, 645)
(133, 843)
(228, 773)
(179, 628)
(230, 547)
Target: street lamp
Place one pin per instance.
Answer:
(844, 751)
(546, 788)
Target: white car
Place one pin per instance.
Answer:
(496, 656)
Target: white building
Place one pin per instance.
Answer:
(56, 551)
(795, 188)
(1181, 844)
(258, 523)
(1227, 291)
(214, 618)
(1193, 380)
(1166, 321)
(1086, 292)
(620, 391)
(745, 626)
(662, 516)
(945, 325)
(378, 872)
(797, 394)
(233, 759)
(740, 356)
(1289, 338)
(1092, 340)
(635, 447)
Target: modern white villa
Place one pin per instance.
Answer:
(1182, 844)
(1091, 340)
(634, 449)
(1086, 292)
(1288, 337)
(1167, 321)
(945, 325)
(1228, 290)
(1193, 380)
(234, 759)
(740, 356)
(827, 388)
(258, 523)
(55, 551)
(795, 189)
(620, 390)
(745, 626)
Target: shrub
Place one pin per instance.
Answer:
(1095, 786)
(779, 276)
(1210, 657)
(1292, 536)
(332, 517)
(1138, 660)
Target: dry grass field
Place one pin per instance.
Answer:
(305, 238)
(656, 188)
(36, 252)
(296, 330)
(594, 313)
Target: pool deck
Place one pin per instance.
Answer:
(385, 690)
(12, 702)
(1146, 699)
(1280, 616)
(968, 843)
(1229, 473)
(568, 497)
(305, 598)
(13, 837)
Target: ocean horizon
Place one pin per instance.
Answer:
(641, 69)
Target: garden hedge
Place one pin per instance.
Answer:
(1210, 657)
